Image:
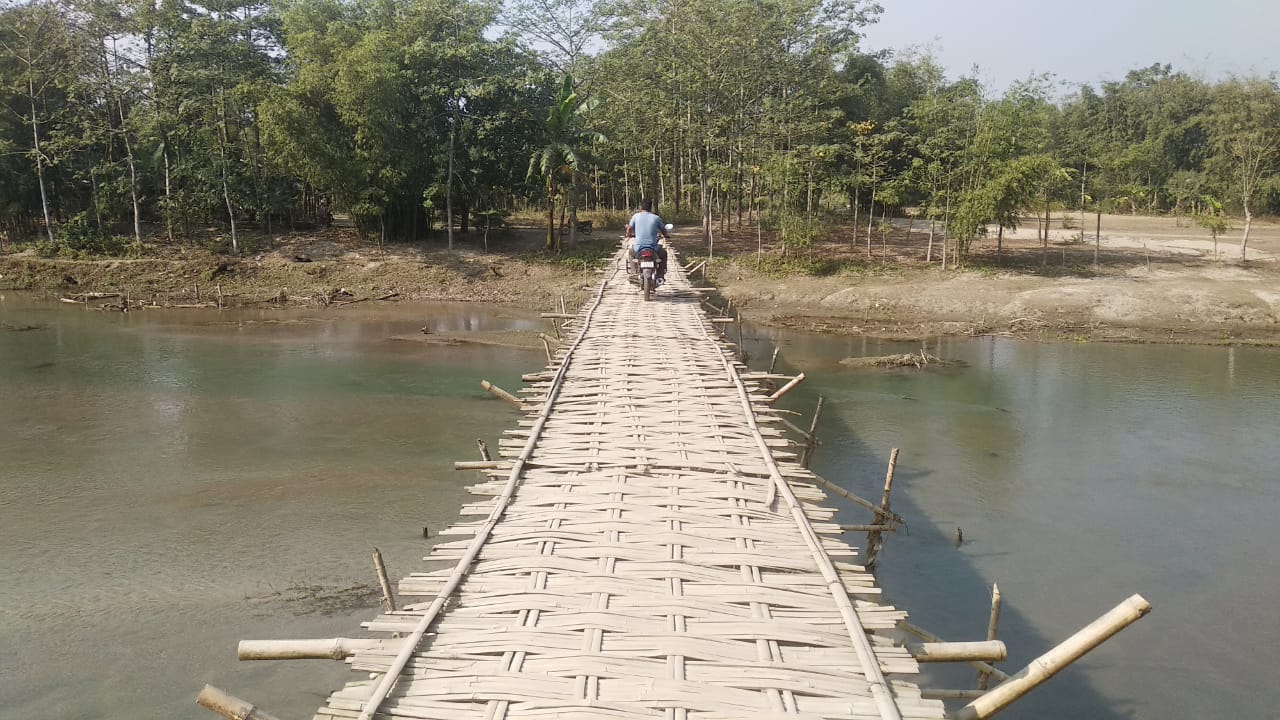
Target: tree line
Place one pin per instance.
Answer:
(123, 119)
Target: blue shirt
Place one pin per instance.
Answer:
(645, 226)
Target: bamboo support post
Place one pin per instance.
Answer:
(228, 706)
(988, 650)
(993, 625)
(742, 351)
(875, 540)
(787, 388)
(1049, 664)
(220, 297)
(388, 598)
(927, 636)
(548, 338)
(484, 450)
(811, 437)
(547, 347)
(774, 362)
(326, 649)
(498, 392)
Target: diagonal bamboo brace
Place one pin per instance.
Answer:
(500, 393)
(1050, 663)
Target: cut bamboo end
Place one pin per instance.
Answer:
(229, 706)
(477, 465)
(500, 393)
(322, 649)
(987, 650)
(787, 388)
(724, 320)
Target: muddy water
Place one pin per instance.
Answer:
(170, 483)
(1079, 474)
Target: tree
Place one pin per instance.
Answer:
(560, 154)
(1245, 127)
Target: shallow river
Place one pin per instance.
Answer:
(171, 483)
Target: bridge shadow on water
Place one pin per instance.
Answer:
(922, 569)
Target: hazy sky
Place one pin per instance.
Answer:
(1084, 40)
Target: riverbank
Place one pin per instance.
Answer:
(1156, 280)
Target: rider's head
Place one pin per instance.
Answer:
(646, 205)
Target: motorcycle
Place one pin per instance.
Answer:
(642, 269)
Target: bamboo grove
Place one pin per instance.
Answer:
(124, 121)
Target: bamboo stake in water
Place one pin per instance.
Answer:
(787, 388)
(993, 625)
(1050, 663)
(773, 363)
(388, 599)
(875, 540)
(811, 437)
(484, 450)
(229, 706)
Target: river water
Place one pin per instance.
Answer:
(171, 483)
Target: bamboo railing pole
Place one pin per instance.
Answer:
(325, 649)
(927, 636)
(229, 706)
(1050, 663)
(993, 625)
(500, 393)
(388, 598)
(988, 650)
(875, 540)
(787, 388)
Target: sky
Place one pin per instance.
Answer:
(1084, 41)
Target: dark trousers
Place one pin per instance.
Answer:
(662, 258)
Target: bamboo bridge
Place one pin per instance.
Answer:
(653, 546)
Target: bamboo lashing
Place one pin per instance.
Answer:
(229, 706)
(1049, 664)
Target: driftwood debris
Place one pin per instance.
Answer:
(920, 359)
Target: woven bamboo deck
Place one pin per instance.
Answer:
(651, 549)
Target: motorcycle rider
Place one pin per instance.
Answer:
(645, 227)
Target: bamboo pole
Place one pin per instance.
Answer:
(868, 528)
(500, 393)
(326, 649)
(932, 694)
(875, 541)
(559, 315)
(787, 388)
(547, 347)
(229, 706)
(811, 438)
(988, 650)
(993, 625)
(927, 636)
(1049, 664)
(827, 484)
(477, 465)
(388, 598)
(484, 450)
(773, 363)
